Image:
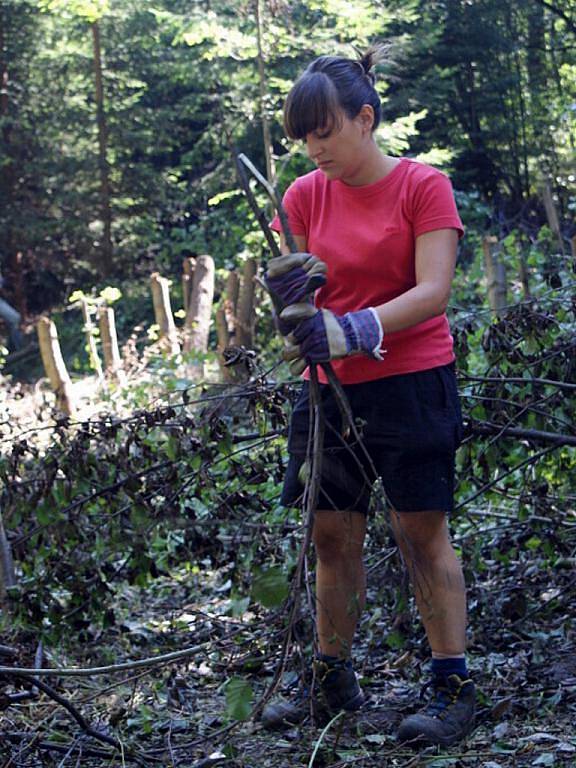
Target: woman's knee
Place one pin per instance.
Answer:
(338, 535)
(421, 534)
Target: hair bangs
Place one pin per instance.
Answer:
(312, 105)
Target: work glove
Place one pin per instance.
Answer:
(294, 277)
(320, 336)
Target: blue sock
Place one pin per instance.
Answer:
(445, 667)
(332, 661)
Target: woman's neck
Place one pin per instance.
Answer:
(374, 167)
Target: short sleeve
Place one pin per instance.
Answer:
(434, 206)
(293, 205)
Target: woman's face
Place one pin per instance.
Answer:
(340, 152)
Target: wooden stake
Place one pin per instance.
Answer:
(92, 347)
(188, 267)
(245, 306)
(7, 574)
(163, 313)
(112, 359)
(54, 365)
(496, 275)
(197, 324)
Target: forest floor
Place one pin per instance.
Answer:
(522, 657)
(182, 714)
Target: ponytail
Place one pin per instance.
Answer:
(331, 85)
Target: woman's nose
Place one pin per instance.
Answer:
(312, 147)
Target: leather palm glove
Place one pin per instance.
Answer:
(293, 278)
(320, 336)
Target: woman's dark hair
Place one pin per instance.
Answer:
(329, 85)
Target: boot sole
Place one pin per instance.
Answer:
(425, 741)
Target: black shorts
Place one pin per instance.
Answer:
(411, 426)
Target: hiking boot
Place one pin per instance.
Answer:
(337, 687)
(448, 716)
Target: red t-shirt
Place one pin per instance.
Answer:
(367, 237)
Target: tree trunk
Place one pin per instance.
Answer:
(7, 575)
(552, 214)
(54, 365)
(524, 275)
(270, 170)
(110, 350)
(105, 204)
(163, 314)
(519, 124)
(197, 325)
(496, 276)
(188, 268)
(245, 307)
(231, 303)
(92, 347)
(14, 260)
(223, 342)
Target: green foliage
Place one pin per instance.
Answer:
(239, 697)
(127, 500)
(270, 587)
(483, 90)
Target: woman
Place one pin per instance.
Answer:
(387, 231)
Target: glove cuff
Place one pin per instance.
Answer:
(364, 333)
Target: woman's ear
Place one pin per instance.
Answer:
(366, 116)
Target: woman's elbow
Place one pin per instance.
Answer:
(438, 300)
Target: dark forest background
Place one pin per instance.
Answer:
(143, 526)
(117, 120)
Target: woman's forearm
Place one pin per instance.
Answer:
(416, 305)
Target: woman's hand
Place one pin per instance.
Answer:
(320, 336)
(294, 277)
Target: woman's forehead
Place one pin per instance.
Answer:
(312, 105)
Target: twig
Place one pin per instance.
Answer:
(519, 380)
(189, 744)
(321, 737)
(78, 717)
(111, 669)
(108, 688)
(275, 199)
(534, 435)
(48, 746)
(530, 460)
(260, 218)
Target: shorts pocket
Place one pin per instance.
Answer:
(453, 401)
(433, 390)
(298, 431)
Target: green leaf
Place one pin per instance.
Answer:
(76, 296)
(395, 639)
(221, 196)
(172, 448)
(270, 587)
(239, 697)
(547, 758)
(110, 294)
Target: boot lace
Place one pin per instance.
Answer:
(443, 697)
